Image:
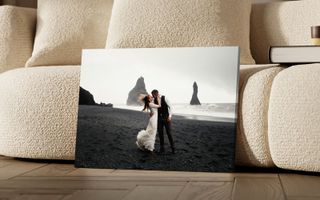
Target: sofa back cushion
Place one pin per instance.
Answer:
(282, 23)
(181, 23)
(65, 27)
(17, 28)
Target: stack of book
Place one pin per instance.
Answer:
(294, 54)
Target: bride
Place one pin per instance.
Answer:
(146, 138)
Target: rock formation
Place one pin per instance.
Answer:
(110, 105)
(85, 97)
(137, 90)
(195, 99)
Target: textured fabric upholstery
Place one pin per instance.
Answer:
(39, 112)
(252, 136)
(282, 23)
(64, 28)
(278, 122)
(17, 28)
(181, 23)
(294, 119)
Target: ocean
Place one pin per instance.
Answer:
(220, 112)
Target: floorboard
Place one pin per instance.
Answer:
(39, 197)
(65, 184)
(303, 198)
(91, 172)
(18, 168)
(22, 179)
(147, 192)
(258, 188)
(301, 185)
(97, 195)
(206, 190)
(52, 170)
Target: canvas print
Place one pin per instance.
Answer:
(158, 109)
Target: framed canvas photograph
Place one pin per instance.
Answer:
(158, 109)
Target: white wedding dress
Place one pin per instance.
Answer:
(146, 138)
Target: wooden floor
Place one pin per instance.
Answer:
(50, 181)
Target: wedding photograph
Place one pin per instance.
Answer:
(158, 109)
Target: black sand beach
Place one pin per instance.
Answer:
(106, 139)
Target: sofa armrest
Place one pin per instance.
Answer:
(294, 118)
(39, 109)
(252, 147)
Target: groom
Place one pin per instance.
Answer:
(164, 119)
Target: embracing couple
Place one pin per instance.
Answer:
(160, 118)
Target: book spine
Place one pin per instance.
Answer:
(270, 58)
(272, 61)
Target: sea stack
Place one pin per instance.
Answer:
(137, 90)
(85, 97)
(195, 99)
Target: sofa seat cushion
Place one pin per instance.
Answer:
(17, 28)
(294, 119)
(39, 112)
(252, 136)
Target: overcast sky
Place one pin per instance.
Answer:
(110, 74)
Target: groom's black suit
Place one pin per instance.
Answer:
(163, 115)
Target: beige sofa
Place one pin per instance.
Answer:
(278, 119)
